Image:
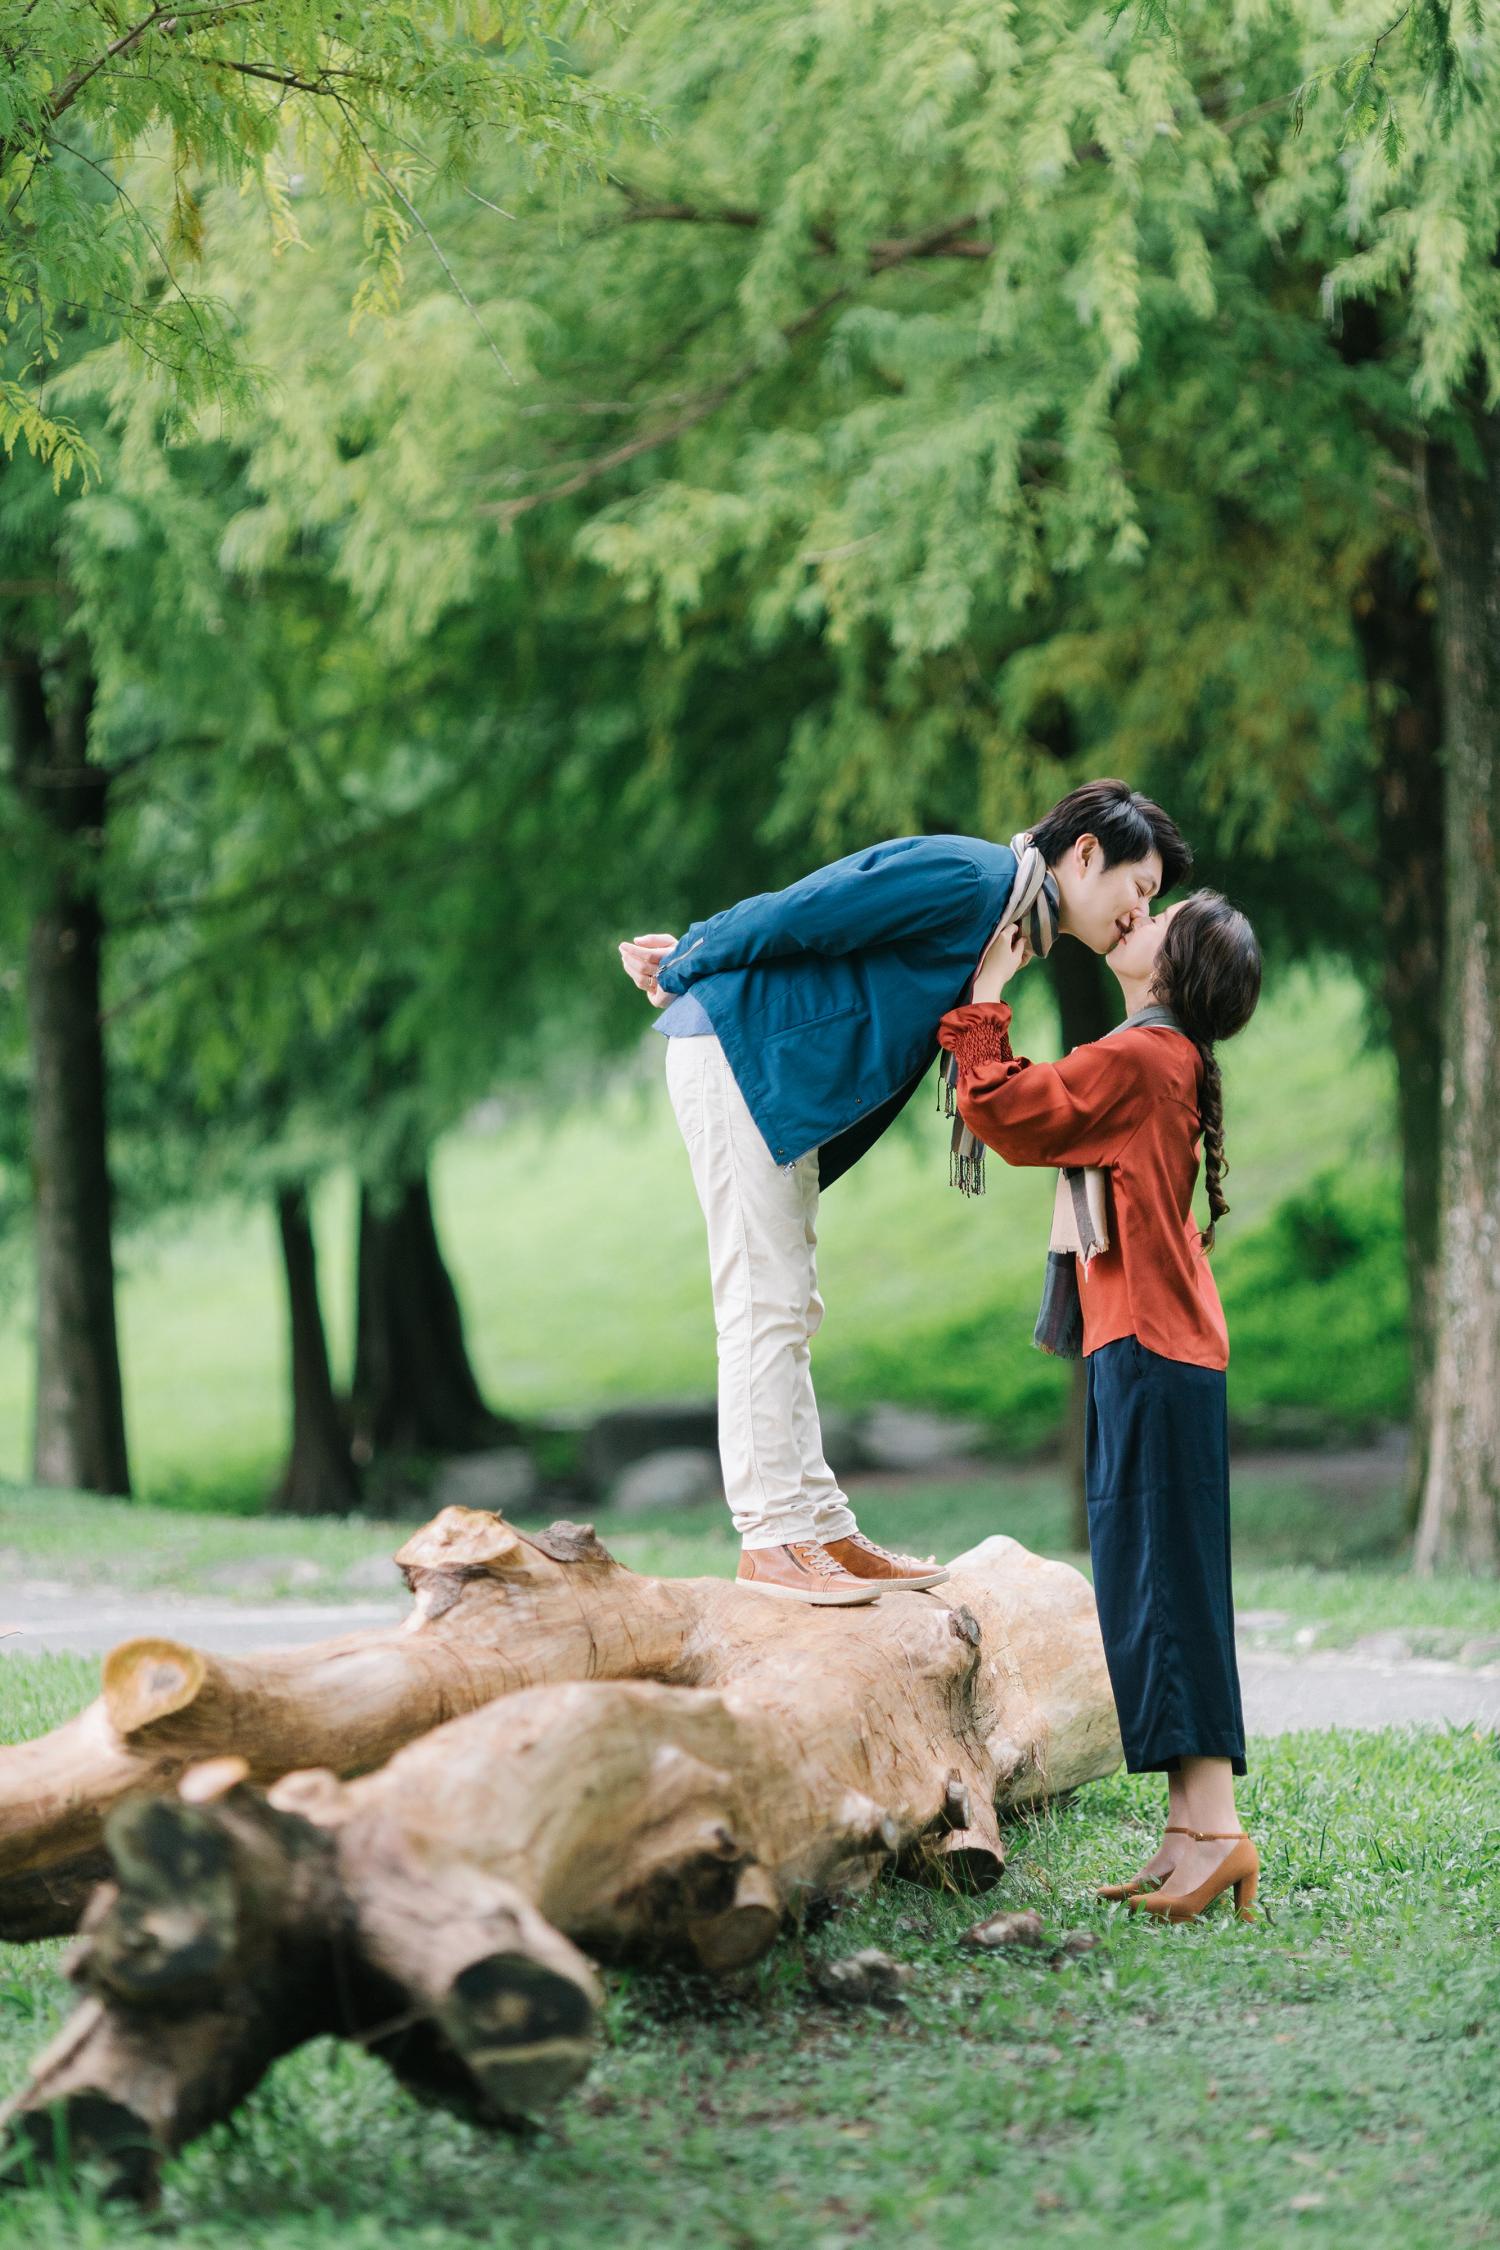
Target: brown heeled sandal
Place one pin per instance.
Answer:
(1238, 1870)
(1140, 1883)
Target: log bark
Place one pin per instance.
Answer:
(443, 1909)
(1459, 1525)
(79, 1430)
(415, 1391)
(320, 1477)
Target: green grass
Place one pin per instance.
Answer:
(577, 1246)
(130, 1547)
(1322, 2078)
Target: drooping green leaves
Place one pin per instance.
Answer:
(114, 124)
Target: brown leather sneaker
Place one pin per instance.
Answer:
(897, 1573)
(803, 1571)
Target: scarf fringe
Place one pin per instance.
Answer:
(966, 1171)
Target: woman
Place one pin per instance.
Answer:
(1136, 1104)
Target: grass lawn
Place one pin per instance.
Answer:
(1325, 2077)
(577, 1247)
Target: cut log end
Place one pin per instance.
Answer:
(147, 1680)
(167, 1936)
(968, 1859)
(464, 1543)
(524, 2028)
(744, 1930)
(464, 1540)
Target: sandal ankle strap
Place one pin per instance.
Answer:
(1211, 1835)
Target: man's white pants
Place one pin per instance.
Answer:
(762, 1245)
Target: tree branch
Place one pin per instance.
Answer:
(640, 210)
(287, 78)
(70, 89)
(883, 257)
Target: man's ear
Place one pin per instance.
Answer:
(1085, 846)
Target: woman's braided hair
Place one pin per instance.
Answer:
(1208, 973)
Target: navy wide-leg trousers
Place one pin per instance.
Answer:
(1156, 1466)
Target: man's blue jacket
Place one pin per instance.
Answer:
(826, 996)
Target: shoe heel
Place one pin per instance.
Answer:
(1244, 1895)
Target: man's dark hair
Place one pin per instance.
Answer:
(1127, 825)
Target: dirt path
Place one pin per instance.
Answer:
(1283, 1694)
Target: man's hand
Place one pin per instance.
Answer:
(1008, 950)
(641, 957)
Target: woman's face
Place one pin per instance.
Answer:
(1134, 958)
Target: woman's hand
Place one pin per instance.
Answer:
(641, 957)
(1008, 950)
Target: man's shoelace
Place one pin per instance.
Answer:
(889, 1554)
(818, 1558)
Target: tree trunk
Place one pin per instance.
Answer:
(79, 1431)
(765, 1755)
(320, 1477)
(1459, 1526)
(414, 1389)
(1087, 1006)
(1397, 629)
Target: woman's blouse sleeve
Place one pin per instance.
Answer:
(1081, 1110)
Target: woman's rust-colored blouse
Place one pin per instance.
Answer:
(1128, 1104)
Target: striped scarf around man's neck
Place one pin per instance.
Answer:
(1033, 900)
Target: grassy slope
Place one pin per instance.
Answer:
(1323, 2077)
(578, 1250)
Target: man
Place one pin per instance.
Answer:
(800, 1024)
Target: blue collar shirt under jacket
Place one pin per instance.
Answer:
(826, 997)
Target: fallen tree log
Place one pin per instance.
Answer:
(494, 1611)
(441, 1910)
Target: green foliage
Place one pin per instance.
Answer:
(59, 443)
(113, 131)
(1316, 1302)
(931, 1299)
(933, 405)
(1439, 54)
